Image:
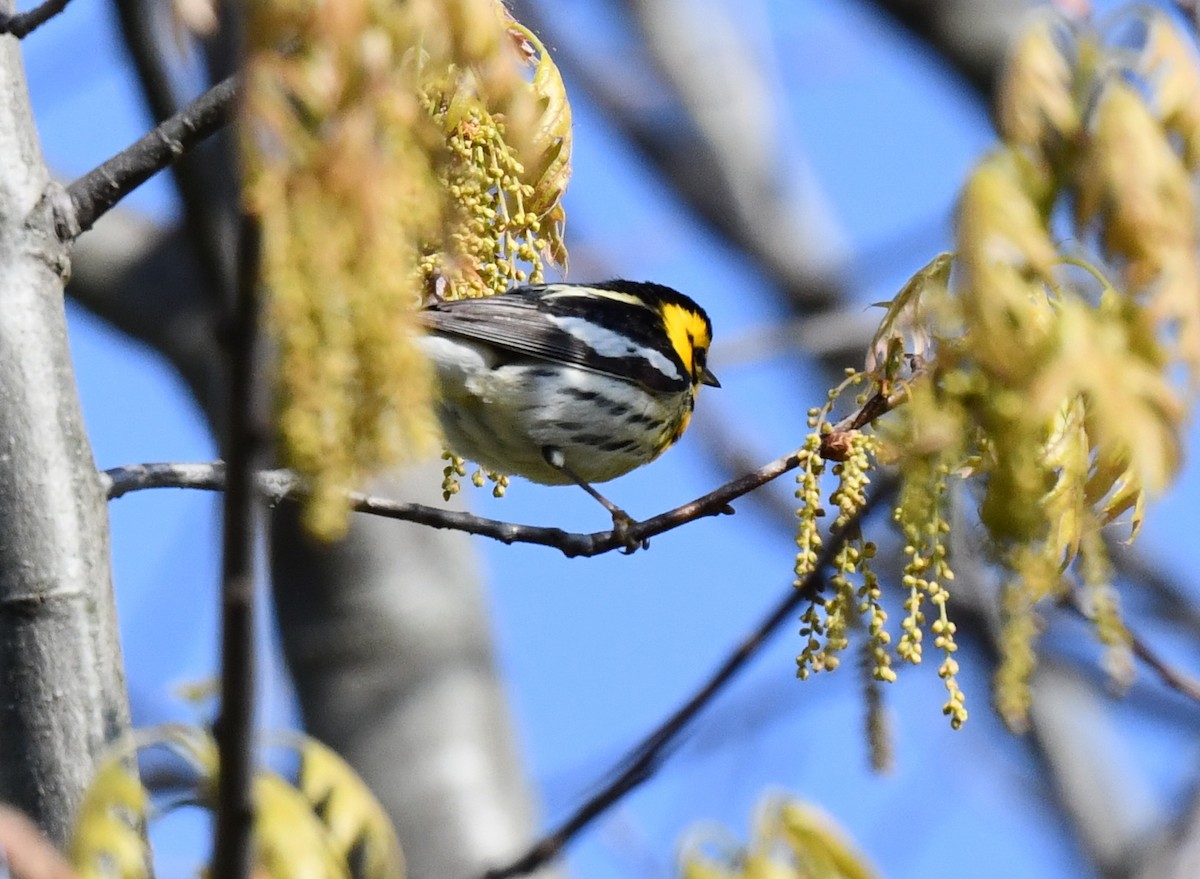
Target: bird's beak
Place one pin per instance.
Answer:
(707, 378)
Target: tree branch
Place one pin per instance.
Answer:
(22, 24)
(644, 760)
(835, 444)
(93, 194)
(284, 485)
(245, 447)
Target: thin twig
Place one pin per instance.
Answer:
(20, 25)
(93, 194)
(245, 447)
(280, 485)
(644, 760)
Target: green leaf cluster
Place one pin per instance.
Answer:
(323, 823)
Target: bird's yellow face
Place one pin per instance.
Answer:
(690, 335)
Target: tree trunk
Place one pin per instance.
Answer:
(62, 688)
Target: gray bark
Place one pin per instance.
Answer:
(62, 691)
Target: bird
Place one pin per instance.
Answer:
(568, 383)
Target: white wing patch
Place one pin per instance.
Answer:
(607, 343)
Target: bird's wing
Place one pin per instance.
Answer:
(546, 330)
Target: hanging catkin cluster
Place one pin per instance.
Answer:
(388, 147)
(1052, 359)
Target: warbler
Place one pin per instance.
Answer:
(568, 383)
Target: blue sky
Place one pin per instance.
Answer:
(596, 652)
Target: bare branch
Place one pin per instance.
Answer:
(245, 447)
(93, 194)
(280, 485)
(120, 481)
(644, 760)
(22, 24)
(1191, 10)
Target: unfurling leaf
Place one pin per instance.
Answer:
(903, 333)
(1068, 457)
(357, 826)
(1131, 182)
(1036, 103)
(1133, 413)
(325, 826)
(109, 841)
(1006, 255)
(792, 840)
(813, 835)
(543, 142)
(292, 841)
(1168, 64)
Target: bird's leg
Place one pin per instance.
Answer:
(621, 520)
